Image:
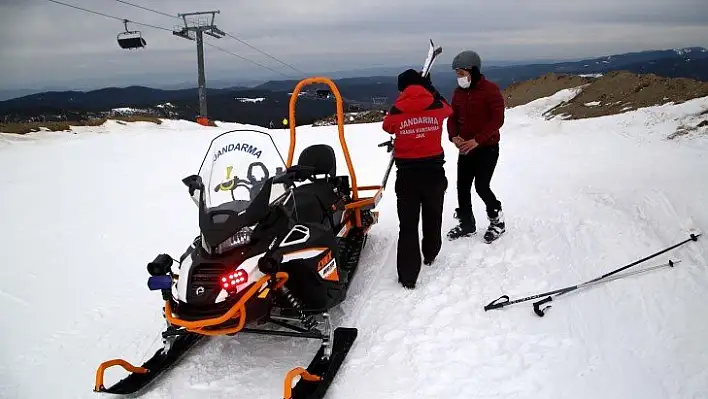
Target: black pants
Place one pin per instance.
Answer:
(477, 167)
(419, 190)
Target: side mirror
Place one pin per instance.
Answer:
(193, 182)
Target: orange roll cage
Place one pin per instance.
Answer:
(357, 203)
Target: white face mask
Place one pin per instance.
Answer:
(463, 81)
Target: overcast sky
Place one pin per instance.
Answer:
(45, 44)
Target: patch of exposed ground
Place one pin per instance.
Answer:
(619, 92)
(692, 125)
(353, 118)
(24, 128)
(524, 92)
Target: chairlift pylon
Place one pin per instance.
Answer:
(130, 39)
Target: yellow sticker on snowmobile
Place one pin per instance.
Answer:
(229, 185)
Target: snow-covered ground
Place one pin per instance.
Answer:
(250, 100)
(81, 214)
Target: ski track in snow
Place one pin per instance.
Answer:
(85, 212)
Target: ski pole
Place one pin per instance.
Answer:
(505, 301)
(389, 148)
(388, 172)
(541, 312)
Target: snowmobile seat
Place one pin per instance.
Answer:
(321, 157)
(315, 202)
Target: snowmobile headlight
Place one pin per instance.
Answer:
(242, 237)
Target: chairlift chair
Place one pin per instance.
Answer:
(130, 39)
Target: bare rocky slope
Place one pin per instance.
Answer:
(524, 92)
(611, 94)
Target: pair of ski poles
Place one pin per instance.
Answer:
(505, 301)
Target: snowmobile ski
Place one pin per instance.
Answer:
(319, 375)
(146, 374)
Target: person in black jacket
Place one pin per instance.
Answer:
(416, 119)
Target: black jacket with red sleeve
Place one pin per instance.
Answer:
(416, 120)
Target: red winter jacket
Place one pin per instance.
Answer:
(416, 119)
(478, 112)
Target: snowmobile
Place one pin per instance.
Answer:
(279, 245)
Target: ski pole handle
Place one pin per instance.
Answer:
(388, 144)
(496, 304)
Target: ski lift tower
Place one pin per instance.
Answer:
(195, 27)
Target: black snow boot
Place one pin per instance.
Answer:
(496, 228)
(407, 285)
(465, 228)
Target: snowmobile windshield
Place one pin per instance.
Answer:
(237, 173)
(237, 167)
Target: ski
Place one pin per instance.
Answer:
(143, 376)
(318, 376)
(433, 53)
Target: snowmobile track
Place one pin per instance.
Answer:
(372, 280)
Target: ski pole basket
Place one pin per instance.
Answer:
(358, 203)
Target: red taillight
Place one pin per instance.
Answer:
(233, 279)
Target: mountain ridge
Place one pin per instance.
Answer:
(359, 93)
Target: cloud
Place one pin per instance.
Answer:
(45, 43)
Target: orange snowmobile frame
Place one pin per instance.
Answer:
(236, 312)
(218, 325)
(357, 203)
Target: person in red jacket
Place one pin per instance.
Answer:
(416, 120)
(478, 114)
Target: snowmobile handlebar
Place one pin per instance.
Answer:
(295, 173)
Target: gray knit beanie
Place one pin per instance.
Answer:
(467, 60)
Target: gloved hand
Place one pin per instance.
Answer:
(428, 84)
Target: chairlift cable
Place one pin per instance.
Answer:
(227, 34)
(263, 52)
(164, 29)
(110, 16)
(147, 9)
(245, 59)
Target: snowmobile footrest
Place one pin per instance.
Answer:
(320, 373)
(141, 377)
